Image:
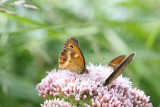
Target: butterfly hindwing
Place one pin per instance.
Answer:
(70, 60)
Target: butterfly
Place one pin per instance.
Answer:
(119, 65)
(71, 57)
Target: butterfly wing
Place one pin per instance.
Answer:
(73, 43)
(116, 61)
(69, 59)
(119, 69)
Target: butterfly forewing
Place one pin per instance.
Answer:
(75, 40)
(119, 69)
(73, 43)
(69, 59)
(116, 61)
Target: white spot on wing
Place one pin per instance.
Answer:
(76, 55)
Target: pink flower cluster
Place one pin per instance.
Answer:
(88, 90)
(56, 103)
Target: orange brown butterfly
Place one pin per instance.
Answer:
(72, 59)
(119, 65)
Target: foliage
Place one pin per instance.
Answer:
(31, 40)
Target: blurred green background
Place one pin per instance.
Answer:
(31, 41)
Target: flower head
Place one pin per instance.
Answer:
(88, 90)
(56, 103)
